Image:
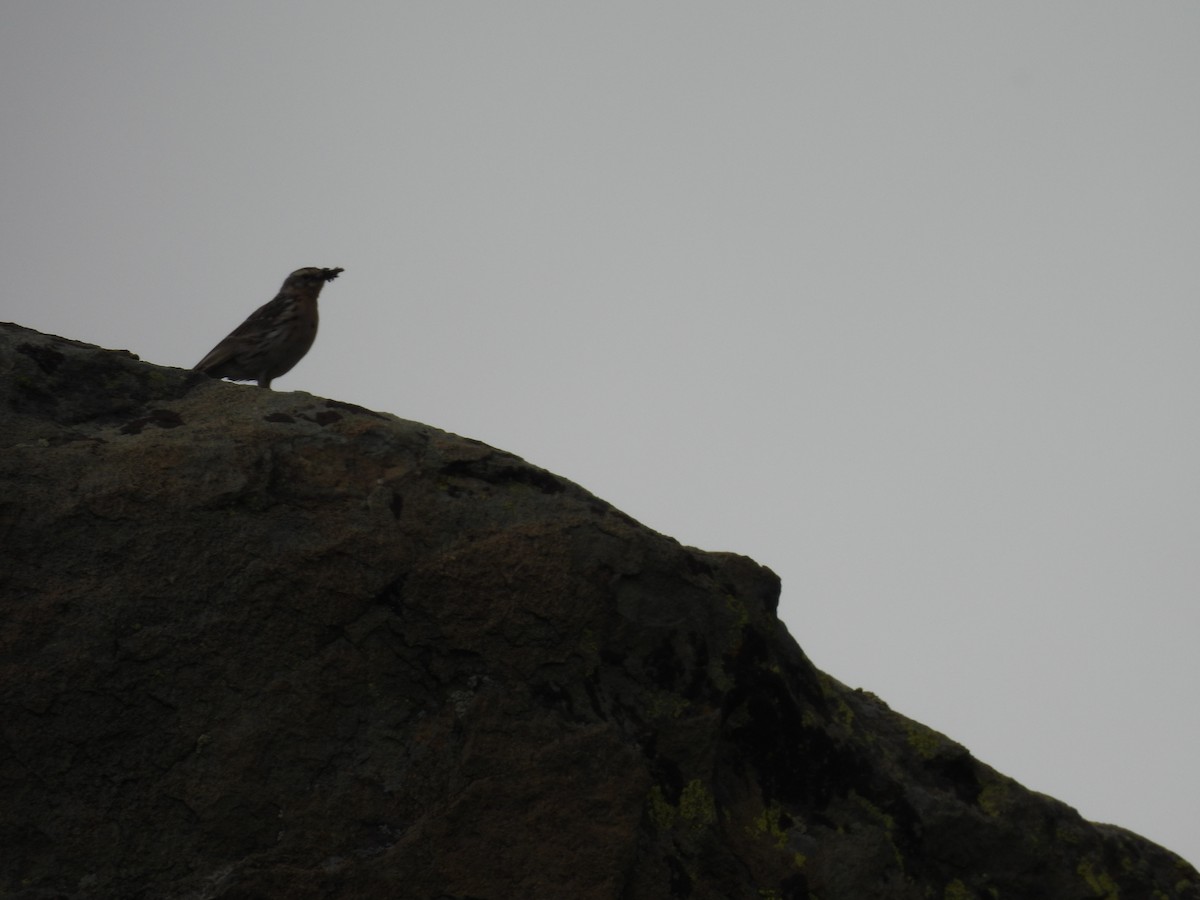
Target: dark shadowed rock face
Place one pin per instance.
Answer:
(262, 644)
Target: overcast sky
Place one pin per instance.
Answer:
(900, 300)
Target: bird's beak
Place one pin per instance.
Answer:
(331, 274)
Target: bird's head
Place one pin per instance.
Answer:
(311, 277)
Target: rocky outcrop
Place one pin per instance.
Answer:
(260, 644)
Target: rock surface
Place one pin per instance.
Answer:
(260, 644)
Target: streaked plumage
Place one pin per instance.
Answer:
(276, 335)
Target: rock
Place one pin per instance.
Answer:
(263, 644)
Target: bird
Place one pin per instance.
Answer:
(276, 335)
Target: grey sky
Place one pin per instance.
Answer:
(898, 299)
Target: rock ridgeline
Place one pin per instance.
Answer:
(260, 644)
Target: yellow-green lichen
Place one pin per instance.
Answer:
(696, 805)
(720, 680)
(956, 890)
(831, 691)
(662, 813)
(1065, 835)
(925, 741)
(1100, 883)
(742, 616)
(799, 860)
(767, 824)
(827, 686)
(842, 713)
(696, 808)
(888, 822)
(993, 798)
(665, 705)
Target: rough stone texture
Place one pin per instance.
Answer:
(261, 644)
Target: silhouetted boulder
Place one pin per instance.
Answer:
(262, 644)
